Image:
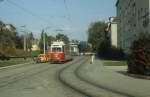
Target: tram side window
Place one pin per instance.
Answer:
(56, 49)
(63, 48)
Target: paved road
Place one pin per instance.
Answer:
(35, 80)
(77, 78)
(73, 76)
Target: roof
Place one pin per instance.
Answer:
(10, 26)
(60, 43)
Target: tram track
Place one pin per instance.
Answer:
(78, 74)
(81, 85)
(44, 76)
(13, 78)
(66, 83)
(62, 76)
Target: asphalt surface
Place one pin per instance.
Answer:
(111, 79)
(71, 76)
(77, 78)
(35, 80)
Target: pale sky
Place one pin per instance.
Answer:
(71, 17)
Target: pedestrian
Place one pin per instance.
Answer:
(92, 58)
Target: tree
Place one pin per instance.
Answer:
(84, 47)
(11, 41)
(50, 39)
(75, 41)
(139, 59)
(62, 37)
(19, 42)
(96, 34)
(7, 42)
(41, 43)
(1, 26)
(30, 40)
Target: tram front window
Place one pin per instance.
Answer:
(56, 49)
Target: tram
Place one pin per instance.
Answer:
(59, 52)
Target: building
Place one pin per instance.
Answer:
(74, 49)
(35, 45)
(7, 27)
(112, 31)
(133, 19)
(10, 27)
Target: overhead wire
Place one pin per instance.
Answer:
(68, 14)
(67, 10)
(30, 12)
(1, 0)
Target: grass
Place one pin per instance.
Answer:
(12, 62)
(114, 63)
(21, 53)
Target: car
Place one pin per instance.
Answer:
(42, 58)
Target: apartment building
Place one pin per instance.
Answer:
(133, 19)
(112, 31)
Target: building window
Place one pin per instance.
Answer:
(133, 4)
(134, 25)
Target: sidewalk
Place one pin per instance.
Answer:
(110, 80)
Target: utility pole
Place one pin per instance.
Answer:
(25, 42)
(25, 38)
(43, 41)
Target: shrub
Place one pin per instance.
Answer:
(116, 53)
(22, 53)
(105, 51)
(139, 59)
(3, 57)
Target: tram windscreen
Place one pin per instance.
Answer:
(56, 49)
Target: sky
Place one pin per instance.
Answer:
(70, 17)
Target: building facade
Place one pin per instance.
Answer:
(133, 19)
(112, 31)
(74, 49)
(35, 45)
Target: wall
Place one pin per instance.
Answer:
(133, 18)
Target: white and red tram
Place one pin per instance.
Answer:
(59, 52)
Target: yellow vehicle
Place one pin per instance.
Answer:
(42, 58)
